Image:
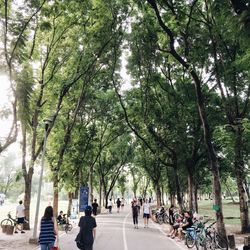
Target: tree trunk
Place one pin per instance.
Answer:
(240, 176)
(158, 194)
(196, 198)
(191, 198)
(178, 188)
(211, 153)
(162, 195)
(70, 197)
(230, 193)
(247, 189)
(27, 179)
(201, 107)
(27, 199)
(56, 194)
(91, 198)
(172, 199)
(134, 191)
(100, 193)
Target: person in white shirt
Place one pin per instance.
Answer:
(146, 212)
(20, 215)
(110, 206)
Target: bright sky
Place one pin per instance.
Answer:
(5, 96)
(4, 90)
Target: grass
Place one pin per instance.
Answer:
(11, 207)
(229, 210)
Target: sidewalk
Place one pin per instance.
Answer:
(21, 241)
(16, 241)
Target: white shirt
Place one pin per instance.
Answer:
(109, 203)
(146, 208)
(20, 211)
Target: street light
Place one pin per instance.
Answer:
(47, 122)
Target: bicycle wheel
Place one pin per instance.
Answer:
(221, 243)
(68, 227)
(166, 218)
(6, 222)
(190, 240)
(160, 219)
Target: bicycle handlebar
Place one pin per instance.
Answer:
(211, 224)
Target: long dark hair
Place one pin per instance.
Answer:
(48, 213)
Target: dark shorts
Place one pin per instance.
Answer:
(146, 216)
(20, 220)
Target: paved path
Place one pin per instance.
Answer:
(116, 232)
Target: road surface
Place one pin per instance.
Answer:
(116, 232)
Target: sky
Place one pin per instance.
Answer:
(5, 95)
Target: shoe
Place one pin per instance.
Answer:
(22, 232)
(16, 232)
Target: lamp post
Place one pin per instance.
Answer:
(47, 122)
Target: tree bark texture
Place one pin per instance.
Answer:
(240, 177)
(56, 194)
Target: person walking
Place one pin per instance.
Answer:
(20, 216)
(48, 230)
(95, 206)
(110, 205)
(122, 203)
(86, 236)
(118, 203)
(146, 212)
(135, 213)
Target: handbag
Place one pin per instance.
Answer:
(54, 248)
(79, 241)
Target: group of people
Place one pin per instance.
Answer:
(136, 205)
(119, 204)
(179, 221)
(48, 236)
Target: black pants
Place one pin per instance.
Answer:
(135, 219)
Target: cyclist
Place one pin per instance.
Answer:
(20, 216)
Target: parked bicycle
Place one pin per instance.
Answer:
(65, 225)
(12, 222)
(159, 215)
(205, 237)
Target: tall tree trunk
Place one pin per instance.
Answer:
(27, 178)
(100, 193)
(91, 197)
(196, 198)
(172, 199)
(230, 193)
(27, 199)
(191, 198)
(240, 176)
(70, 198)
(162, 195)
(56, 193)
(247, 189)
(178, 188)
(158, 194)
(201, 107)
